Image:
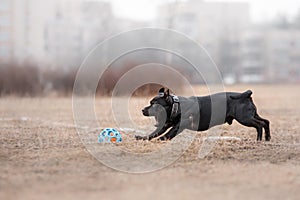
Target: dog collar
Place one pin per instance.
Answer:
(175, 107)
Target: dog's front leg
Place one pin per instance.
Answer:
(155, 134)
(171, 133)
(178, 128)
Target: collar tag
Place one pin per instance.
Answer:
(161, 94)
(175, 99)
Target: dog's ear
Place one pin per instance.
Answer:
(168, 92)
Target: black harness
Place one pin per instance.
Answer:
(175, 104)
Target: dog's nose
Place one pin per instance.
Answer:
(144, 111)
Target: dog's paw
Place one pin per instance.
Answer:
(138, 137)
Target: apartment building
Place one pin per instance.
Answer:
(270, 55)
(6, 30)
(218, 26)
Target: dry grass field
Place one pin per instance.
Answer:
(42, 156)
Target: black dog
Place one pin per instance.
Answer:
(195, 113)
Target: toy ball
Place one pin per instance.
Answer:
(109, 135)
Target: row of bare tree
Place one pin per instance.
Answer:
(30, 80)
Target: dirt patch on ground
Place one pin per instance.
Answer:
(42, 156)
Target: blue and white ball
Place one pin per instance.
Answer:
(109, 135)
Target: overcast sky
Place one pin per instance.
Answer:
(261, 10)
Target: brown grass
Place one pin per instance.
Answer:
(42, 157)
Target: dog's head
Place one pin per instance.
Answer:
(160, 107)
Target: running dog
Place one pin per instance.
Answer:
(201, 113)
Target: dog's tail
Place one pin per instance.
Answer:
(246, 94)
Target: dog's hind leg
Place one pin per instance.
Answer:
(252, 122)
(266, 126)
(259, 133)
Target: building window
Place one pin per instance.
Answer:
(4, 5)
(4, 36)
(4, 20)
(4, 51)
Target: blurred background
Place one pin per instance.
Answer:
(43, 43)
